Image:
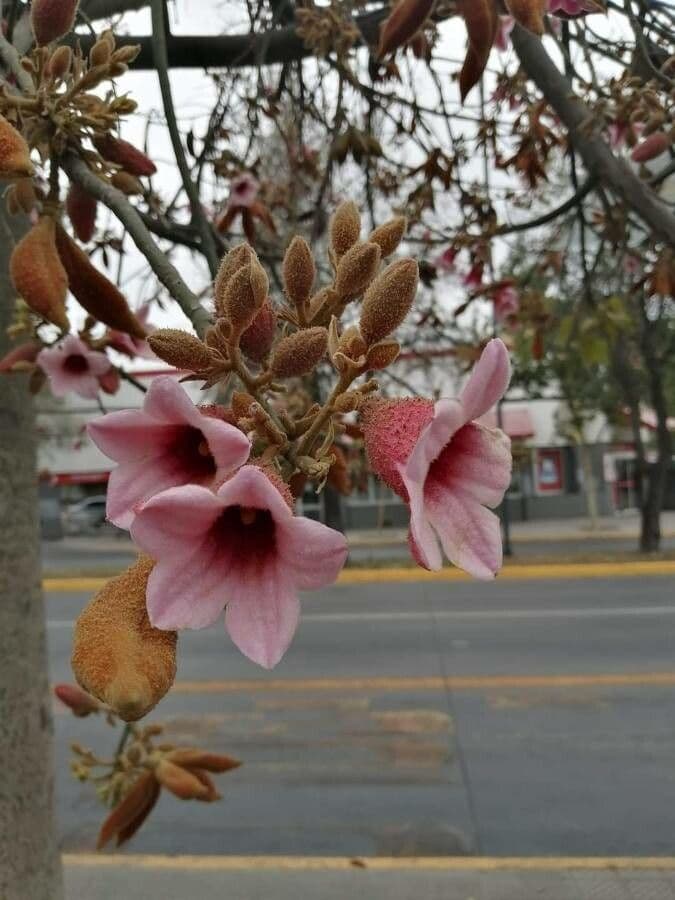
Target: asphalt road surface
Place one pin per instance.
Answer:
(517, 718)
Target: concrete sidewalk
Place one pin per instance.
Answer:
(447, 878)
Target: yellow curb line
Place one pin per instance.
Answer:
(455, 683)
(376, 863)
(542, 571)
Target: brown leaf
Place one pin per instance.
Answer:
(482, 22)
(529, 13)
(406, 19)
(132, 810)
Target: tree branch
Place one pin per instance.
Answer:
(597, 156)
(78, 171)
(159, 34)
(232, 51)
(576, 198)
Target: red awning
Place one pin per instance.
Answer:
(78, 478)
(516, 422)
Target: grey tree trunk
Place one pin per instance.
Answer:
(30, 867)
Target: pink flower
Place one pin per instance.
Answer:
(503, 38)
(73, 366)
(131, 346)
(169, 442)
(448, 467)
(446, 261)
(240, 548)
(243, 191)
(474, 277)
(506, 301)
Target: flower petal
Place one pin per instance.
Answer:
(262, 613)
(130, 434)
(251, 487)
(311, 551)
(174, 519)
(477, 461)
(166, 401)
(470, 533)
(229, 447)
(488, 381)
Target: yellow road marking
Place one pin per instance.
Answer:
(543, 571)
(378, 863)
(455, 683)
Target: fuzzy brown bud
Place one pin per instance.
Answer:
(180, 349)
(21, 197)
(299, 353)
(93, 291)
(345, 228)
(234, 260)
(60, 63)
(256, 341)
(241, 404)
(52, 19)
(81, 208)
(125, 155)
(244, 294)
(382, 354)
(388, 300)
(356, 270)
(299, 271)
(38, 274)
(389, 235)
(100, 53)
(117, 655)
(14, 153)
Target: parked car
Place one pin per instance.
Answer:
(86, 517)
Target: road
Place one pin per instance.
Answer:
(517, 718)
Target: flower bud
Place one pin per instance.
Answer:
(179, 781)
(389, 235)
(38, 274)
(190, 758)
(60, 63)
(78, 701)
(93, 291)
(130, 813)
(405, 20)
(651, 147)
(244, 294)
(14, 153)
(299, 271)
(124, 154)
(52, 19)
(126, 54)
(345, 228)
(256, 341)
(299, 353)
(388, 300)
(241, 404)
(110, 381)
(100, 53)
(21, 197)
(117, 655)
(234, 260)
(382, 354)
(180, 349)
(356, 270)
(81, 208)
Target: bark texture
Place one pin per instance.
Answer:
(29, 859)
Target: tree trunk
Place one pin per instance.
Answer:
(589, 484)
(29, 859)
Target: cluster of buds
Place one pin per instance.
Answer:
(60, 112)
(131, 782)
